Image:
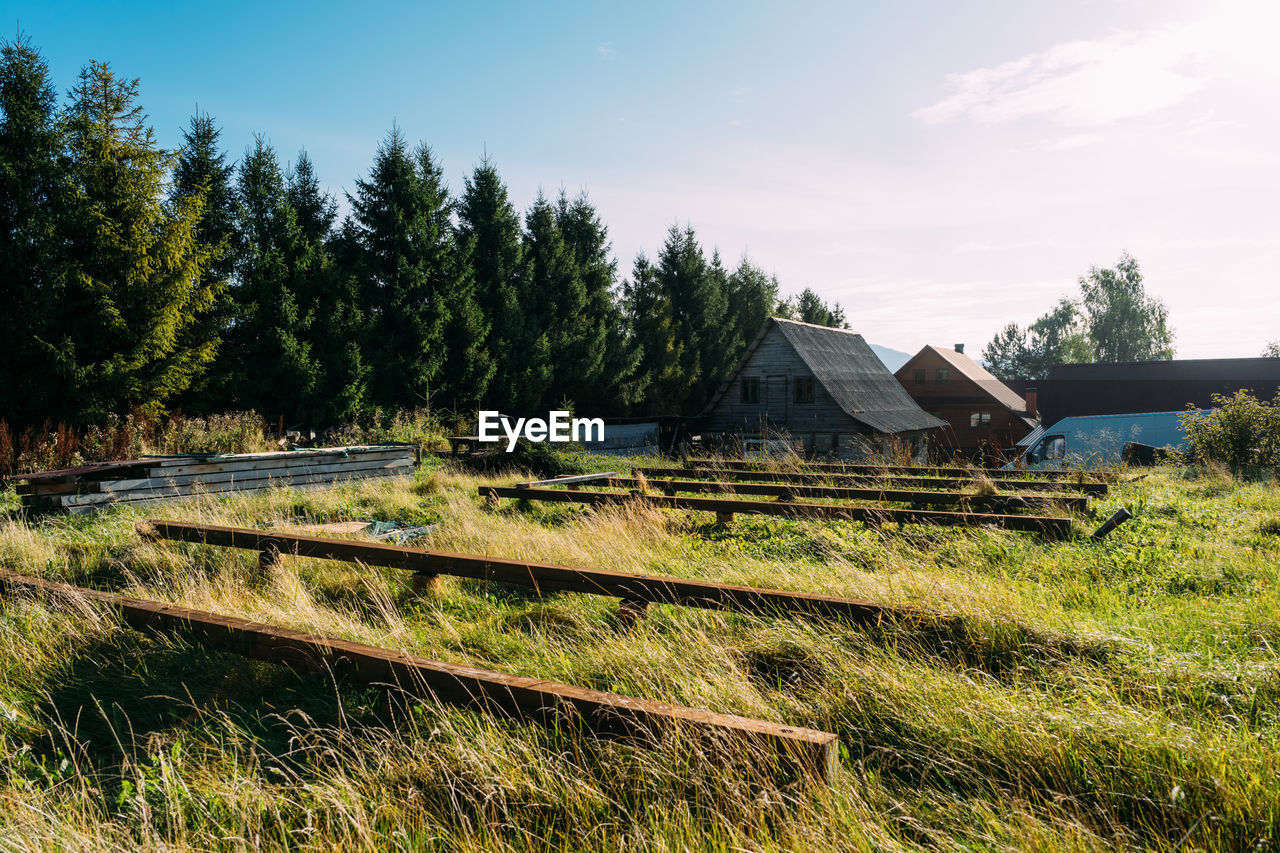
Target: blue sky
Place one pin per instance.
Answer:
(938, 168)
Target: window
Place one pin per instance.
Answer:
(943, 375)
(1055, 447)
(977, 419)
(750, 389)
(804, 389)
(919, 376)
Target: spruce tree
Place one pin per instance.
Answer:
(605, 379)
(752, 295)
(202, 174)
(489, 224)
(696, 293)
(469, 366)
(332, 294)
(408, 266)
(651, 317)
(272, 364)
(551, 300)
(33, 194)
(132, 286)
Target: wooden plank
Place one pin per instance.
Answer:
(89, 470)
(869, 514)
(548, 577)
(808, 750)
(159, 478)
(802, 490)
(913, 470)
(277, 461)
(564, 481)
(896, 480)
(257, 484)
(281, 454)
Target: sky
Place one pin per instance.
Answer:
(940, 169)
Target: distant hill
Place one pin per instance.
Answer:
(892, 358)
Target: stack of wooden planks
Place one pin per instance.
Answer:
(80, 490)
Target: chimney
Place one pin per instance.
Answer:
(1031, 401)
(960, 348)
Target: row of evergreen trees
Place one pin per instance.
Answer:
(132, 277)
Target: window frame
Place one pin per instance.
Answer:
(942, 375)
(807, 383)
(749, 390)
(920, 376)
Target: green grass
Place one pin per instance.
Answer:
(1098, 695)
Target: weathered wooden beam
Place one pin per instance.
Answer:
(896, 480)
(923, 470)
(541, 576)
(354, 466)
(869, 514)
(248, 484)
(570, 480)
(802, 490)
(811, 751)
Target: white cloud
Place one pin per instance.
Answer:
(1085, 83)
(605, 49)
(1121, 76)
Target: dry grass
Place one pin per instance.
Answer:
(1099, 696)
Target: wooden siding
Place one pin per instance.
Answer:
(776, 363)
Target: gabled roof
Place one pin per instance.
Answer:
(852, 374)
(970, 369)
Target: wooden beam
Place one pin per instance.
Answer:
(913, 470)
(813, 752)
(868, 514)
(541, 576)
(565, 481)
(896, 480)
(912, 496)
(290, 480)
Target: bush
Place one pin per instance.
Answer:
(1239, 431)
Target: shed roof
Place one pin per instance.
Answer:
(852, 374)
(1204, 369)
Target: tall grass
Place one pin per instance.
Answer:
(1123, 694)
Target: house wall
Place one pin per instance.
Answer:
(822, 424)
(955, 401)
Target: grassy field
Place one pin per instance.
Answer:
(1122, 694)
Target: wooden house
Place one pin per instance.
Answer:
(822, 388)
(983, 413)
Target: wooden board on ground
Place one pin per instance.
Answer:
(803, 467)
(570, 480)
(896, 480)
(792, 491)
(813, 752)
(655, 589)
(868, 514)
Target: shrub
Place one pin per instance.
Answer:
(1239, 431)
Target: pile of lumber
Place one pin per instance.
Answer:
(155, 478)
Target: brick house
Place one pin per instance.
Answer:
(983, 413)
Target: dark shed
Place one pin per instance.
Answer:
(824, 387)
(1119, 388)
